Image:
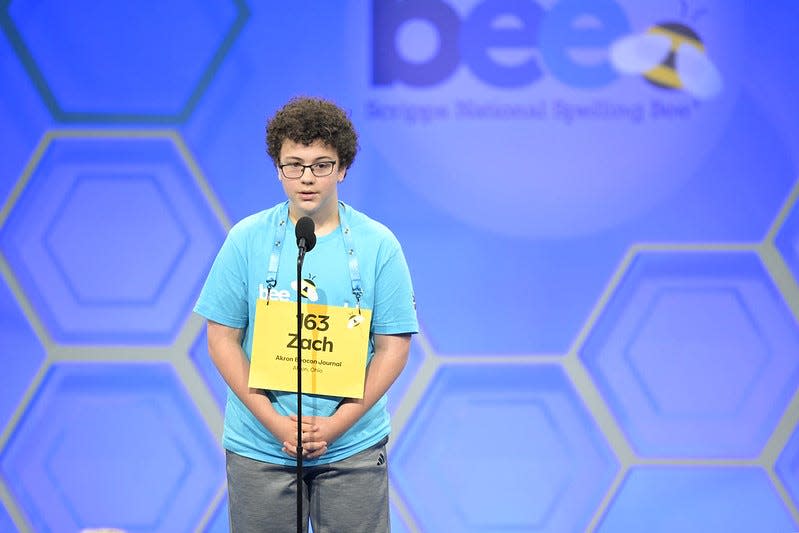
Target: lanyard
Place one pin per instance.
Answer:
(349, 249)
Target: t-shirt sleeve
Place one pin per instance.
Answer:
(223, 298)
(395, 305)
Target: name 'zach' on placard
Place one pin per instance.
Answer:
(318, 345)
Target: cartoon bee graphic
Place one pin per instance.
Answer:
(669, 55)
(355, 321)
(308, 289)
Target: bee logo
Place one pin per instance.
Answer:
(354, 321)
(308, 289)
(669, 55)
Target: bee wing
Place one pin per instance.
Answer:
(698, 74)
(638, 53)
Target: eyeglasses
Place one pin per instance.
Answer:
(293, 171)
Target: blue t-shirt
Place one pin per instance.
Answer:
(238, 278)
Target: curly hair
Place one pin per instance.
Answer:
(305, 120)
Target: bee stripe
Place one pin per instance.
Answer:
(664, 76)
(677, 39)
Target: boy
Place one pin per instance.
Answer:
(356, 264)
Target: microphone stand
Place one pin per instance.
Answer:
(300, 259)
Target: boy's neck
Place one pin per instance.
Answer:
(324, 223)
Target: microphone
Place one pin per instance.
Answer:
(306, 238)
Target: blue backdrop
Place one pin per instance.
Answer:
(597, 199)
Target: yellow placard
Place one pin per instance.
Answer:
(334, 343)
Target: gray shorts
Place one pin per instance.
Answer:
(350, 495)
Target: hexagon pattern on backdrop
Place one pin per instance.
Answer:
(5, 521)
(695, 500)
(97, 438)
(548, 465)
(787, 240)
(679, 382)
(202, 360)
(219, 520)
(111, 238)
(22, 354)
(787, 466)
(688, 347)
(121, 66)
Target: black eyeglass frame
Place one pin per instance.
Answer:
(312, 167)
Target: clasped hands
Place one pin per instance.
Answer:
(318, 432)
